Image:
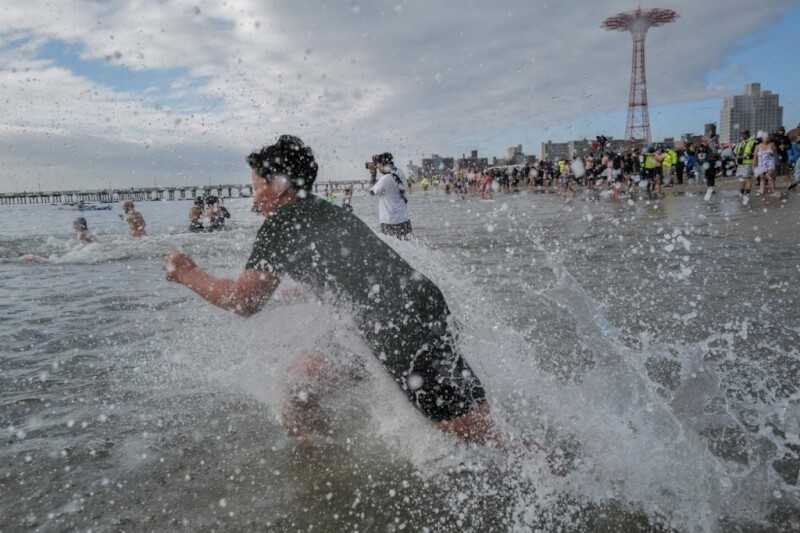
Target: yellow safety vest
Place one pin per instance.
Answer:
(649, 161)
(747, 155)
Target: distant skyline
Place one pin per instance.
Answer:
(134, 94)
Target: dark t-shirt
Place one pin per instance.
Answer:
(401, 313)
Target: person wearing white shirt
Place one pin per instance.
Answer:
(392, 202)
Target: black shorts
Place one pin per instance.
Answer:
(401, 231)
(441, 384)
(423, 358)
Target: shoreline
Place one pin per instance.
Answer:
(727, 183)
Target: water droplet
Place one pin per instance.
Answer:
(415, 381)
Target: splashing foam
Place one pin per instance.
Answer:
(633, 444)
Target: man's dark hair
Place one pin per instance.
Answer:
(289, 157)
(384, 159)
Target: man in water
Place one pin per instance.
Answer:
(400, 313)
(392, 202)
(83, 234)
(347, 201)
(216, 214)
(196, 215)
(135, 219)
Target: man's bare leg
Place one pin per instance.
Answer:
(311, 376)
(475, 427)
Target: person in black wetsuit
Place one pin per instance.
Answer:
(400, 313)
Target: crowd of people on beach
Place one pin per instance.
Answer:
(764, 157)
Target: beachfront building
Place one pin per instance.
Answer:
(473, 162)
(515, 157)
(554, 151)
(437, 165)
(568, 150)
(413, 172)
(755, 110)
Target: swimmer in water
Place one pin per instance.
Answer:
(135, 220)
(347, 200)
(83, 233)
(196, 215)
(216, 214)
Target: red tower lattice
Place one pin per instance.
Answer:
(637, 129)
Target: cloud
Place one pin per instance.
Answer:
(209, 81)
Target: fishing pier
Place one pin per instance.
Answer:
(144, 194)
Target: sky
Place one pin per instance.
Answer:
(116, 93)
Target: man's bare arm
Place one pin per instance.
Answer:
(245, 296)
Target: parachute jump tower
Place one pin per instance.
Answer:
(637, 129)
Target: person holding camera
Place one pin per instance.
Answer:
(372, 166)
(392, 203)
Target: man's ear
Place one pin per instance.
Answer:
(281, 184)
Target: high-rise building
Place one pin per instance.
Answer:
(755, 110)
(436, 165)
(413, 172)
(568, 150)
(473, 162)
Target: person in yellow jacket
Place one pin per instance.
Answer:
(670, 160)
(425, 184)
(743, 152)
(561, 163)
(649, 168)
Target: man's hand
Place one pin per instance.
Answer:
(176, 265)
(245, 295)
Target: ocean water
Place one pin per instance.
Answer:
(653, 345)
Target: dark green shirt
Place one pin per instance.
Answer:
(400, 312)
